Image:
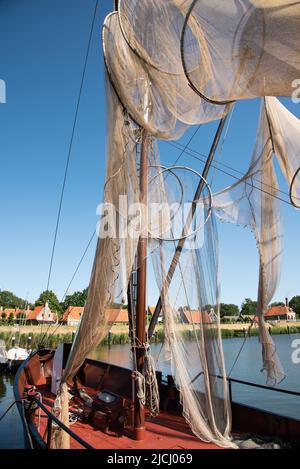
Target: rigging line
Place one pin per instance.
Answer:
(71, 281)
(247, 334)
(190, 150)
(186, 146)
(79, 264)
(71, 142)
(234, 177)
(70, 148)
(216, 161)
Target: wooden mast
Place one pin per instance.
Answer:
(141, 276)
(140, 333)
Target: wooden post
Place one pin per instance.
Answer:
(139, 411)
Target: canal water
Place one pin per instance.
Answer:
(247, 368)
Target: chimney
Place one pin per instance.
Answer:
(287, 302)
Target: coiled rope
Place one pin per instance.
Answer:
(152, 392)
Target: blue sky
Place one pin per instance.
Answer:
(42, 52)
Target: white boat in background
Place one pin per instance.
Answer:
(15, 356)
(3, 354)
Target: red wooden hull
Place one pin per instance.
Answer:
(166, 431)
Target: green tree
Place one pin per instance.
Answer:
(277, 303)
(11, 320)
(9, 300)
(78, 298)
(229, 310)
(249, 307)
(48, 296)
(3, 319)
(295, 304)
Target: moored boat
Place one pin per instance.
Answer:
(15, 356)
(102, 410)
(156, 89)
(3, 354)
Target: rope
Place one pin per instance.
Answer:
(216, 161)
(193, 154)
(8, 409)
(140, 386)
(151, 386)
(71, 143)
(69, 284)
(241, 348)
(70, 151)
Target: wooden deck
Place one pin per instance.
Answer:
(166, 431)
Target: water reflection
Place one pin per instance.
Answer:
(247, 367)
(11, 430)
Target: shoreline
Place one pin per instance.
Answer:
(119, 333)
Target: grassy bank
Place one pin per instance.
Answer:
(122, 337)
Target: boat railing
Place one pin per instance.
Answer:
(52, 418)
(256, 385)
(232, 381)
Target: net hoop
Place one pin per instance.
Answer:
(210, 198)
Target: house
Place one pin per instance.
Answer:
(117, 316)
(151, 310)
(72, 315)
(122, 317)
(280, 313)
(194, 316)
(17, 313)
(42, 315)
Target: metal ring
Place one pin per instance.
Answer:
(209, 197)
(291, 188)
(184, 65)
(167, 169)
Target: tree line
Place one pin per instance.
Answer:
(11, 301)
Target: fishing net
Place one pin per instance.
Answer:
(185, 259)
(227, 50)
(252, 202)
(158, 101)
(115, 252)
(241, 49)
(285, 131)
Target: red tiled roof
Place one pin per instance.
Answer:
(73, 312)
(278, 311)
(34, 314)
(117, 315)
(113, 315)
(196, 317)
(14, 311)
(122, 316)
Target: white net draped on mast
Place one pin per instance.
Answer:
(115, 253)
(161, 56)
(190, 290)
(252, 202)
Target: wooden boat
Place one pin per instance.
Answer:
(109, 425)
(107, 407)
(104, 425)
